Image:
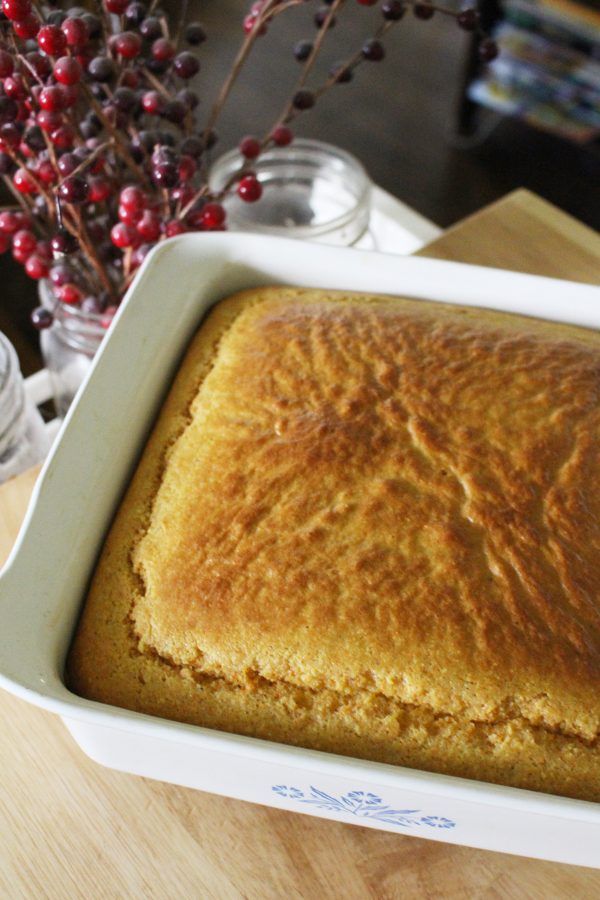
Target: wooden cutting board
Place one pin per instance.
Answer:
(71, 829)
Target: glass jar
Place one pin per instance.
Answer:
(68, 346)
(311, 190)
(23, 438)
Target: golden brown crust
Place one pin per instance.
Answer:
(367, 525)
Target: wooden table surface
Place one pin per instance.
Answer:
(71, 829)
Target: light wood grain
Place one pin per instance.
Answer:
(71, 829)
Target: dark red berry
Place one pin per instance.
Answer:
(16, 10)
(189, 98)
(7, 64)
(186, 65)
(94, 25)
(282, 136)
(74, 189)
(174, 227)
(69, 294)
(250, 147)
(212, 216)
(123, 235)
(39, 63)
(148, 227)
(63, 137)
(76, 32)
(100, 189)
(67, 70)
(153, 103)
(468, 19)
(15, 87)
(23, 182)
(4, 243)
(341, 72)
(9, 222)
(36, 267)
(135, 14)
(165, 174)
(124, 99)
(373, 50)
(24, 242)
(128, 44)
(117, 7)
(187, 168)
(175, 111)
(195, 34)
(150, 28)
(62, 274)
(9, 109)
(303, 100)
(41, 318)
(101, 69)
(423, 10)
(27, 28)
(488, 50)
(302, 50)
(393, 10)
(51, 40)
(249, 189)
(46, 172)
(48, 121)
(51, 98)
(163, 50)
(63, 243)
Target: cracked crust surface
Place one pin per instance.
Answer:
(370, 526)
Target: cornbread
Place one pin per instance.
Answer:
(369, 526)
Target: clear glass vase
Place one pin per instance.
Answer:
(23, 438)
(68, 346)
(311, 190)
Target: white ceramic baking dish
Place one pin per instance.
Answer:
(42, 586)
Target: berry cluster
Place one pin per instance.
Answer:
(98, 136)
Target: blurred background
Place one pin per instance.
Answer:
(444, 134)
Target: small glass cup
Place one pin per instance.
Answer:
(311, 190)
(23, 438)
(68, 346)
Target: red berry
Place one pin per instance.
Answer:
(174, 227)
(52, 40)
(153, 103)
(76, 32)
(52, 98)
(373, 50)
(46, 172)
(24, 242)
(74, 189)
(4, 243)
(23, 182)
(187, 168)
(128, 44)
(36, 267)
(27, 28)
(10, 136)
(109, 314)
(123, 235)
(69, 293)
(149, 227)
(212, 216)
(249, 189)
(393, 10)
(7, 64)
(250, 147)
(186, 65)
(133, 197)
(16, 10)
(63, 243)
(48, 121)
(70, 93)
(129, 216)
(15, 87)
(100, 189)
(67, 70)
(44, 251)
(488, 50)
(41, 318)
(423, 9)
(117, 7)
(282, 136)
(163, 50)
(9, 222)
(63, 137)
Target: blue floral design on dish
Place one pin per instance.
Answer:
(363, 805)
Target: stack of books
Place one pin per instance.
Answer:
(548, 70)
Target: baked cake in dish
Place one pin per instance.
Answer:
(370, 526)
